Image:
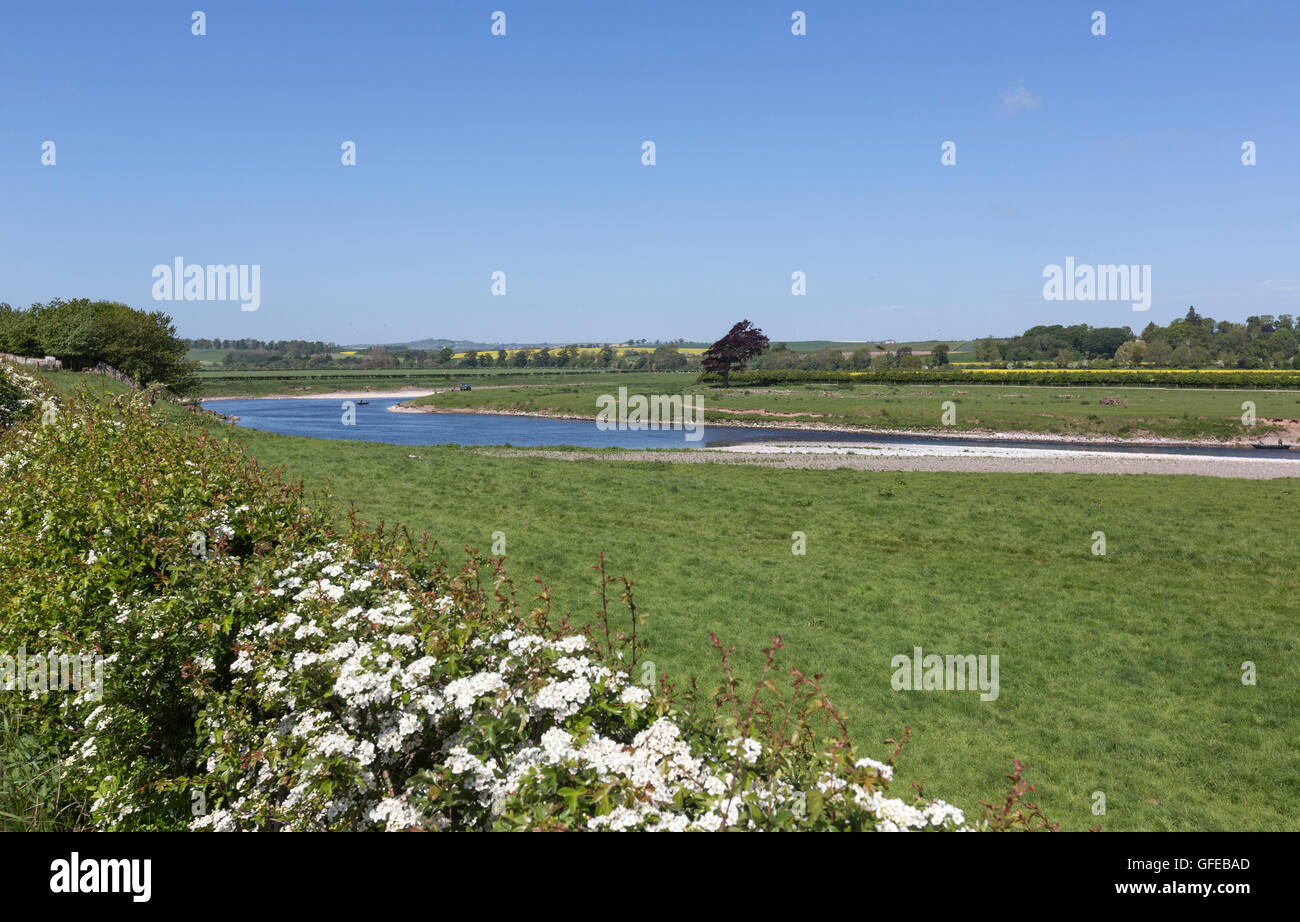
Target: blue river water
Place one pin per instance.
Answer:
(320, 418)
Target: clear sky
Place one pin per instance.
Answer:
(775, 153)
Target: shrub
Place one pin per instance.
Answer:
(16, 394)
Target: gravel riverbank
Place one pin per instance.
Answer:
(1002, 460)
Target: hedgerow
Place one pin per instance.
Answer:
(1106, 377)
(265, 670)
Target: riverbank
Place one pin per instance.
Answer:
(401, 394)
(941, 458)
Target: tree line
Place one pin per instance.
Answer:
(300, 354)
(82, 334)
(1191, 341)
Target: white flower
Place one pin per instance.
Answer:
(881, 768)
(749, 749)
(464, 692)
(635, 694)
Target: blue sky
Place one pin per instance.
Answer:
(775, 153)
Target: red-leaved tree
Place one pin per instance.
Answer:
(742, 343)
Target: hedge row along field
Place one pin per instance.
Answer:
(1267, 380)
(263, 671)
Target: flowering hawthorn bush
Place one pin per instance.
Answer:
(265, 672)
(14, 396)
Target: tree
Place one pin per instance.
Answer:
(940, 354)
(742, 342)
(667, 358)
(1130, 353)
(1101, 342)
(1159, 352)
(986, 350)
(82, 333)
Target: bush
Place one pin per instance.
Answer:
(83, 333)
(265, 671)
(18, 394)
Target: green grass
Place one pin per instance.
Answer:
(31, 797)
(1146, 411)
(1118, 673)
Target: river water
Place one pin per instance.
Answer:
(323, 418)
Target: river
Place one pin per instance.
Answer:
(324, 418)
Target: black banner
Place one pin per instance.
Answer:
(302, 871)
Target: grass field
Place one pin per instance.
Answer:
(1118, 673)
(1164, 412)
